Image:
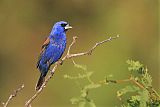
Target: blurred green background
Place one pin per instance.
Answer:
(24, 24)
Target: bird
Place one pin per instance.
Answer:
(52, 50)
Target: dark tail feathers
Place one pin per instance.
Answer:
(40, 82)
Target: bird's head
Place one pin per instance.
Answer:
(61, 26)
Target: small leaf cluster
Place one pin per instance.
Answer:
(145, 96)
(139, 93)
(83, 100)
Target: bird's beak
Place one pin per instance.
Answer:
(67, 27)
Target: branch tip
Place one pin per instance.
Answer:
(14, 94)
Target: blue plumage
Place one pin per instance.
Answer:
(52, 49)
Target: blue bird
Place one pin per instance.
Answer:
(52, 49)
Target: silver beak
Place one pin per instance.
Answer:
(67, 27)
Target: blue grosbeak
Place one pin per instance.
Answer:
(52, 49)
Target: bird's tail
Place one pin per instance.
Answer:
(40, 82)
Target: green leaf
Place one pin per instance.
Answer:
(79, 76)
(146, 79)
(82, 104)
(87, 104)
(89, 73)
(144, 96)
(91, 86)
(84, 93)
(75, 100)
(135, 66)
(126, 90)
(110, 76)
(92, 104)
(134, 101)
(124, 105)
(83, 67)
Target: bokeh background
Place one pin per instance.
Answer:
(24, 24)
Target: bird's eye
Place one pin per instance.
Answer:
(63, 24)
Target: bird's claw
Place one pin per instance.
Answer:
(60, 61)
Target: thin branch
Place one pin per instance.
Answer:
(14, 94)
(137, 83)
(155, 92)
(67, 56)
(131, 79)
(92, 49)
(74, 63)
(73, 42)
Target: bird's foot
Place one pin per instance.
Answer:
(60, 61)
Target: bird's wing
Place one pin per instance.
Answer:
(43, 48)
(46, 42)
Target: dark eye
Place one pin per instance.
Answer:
(63, 24)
